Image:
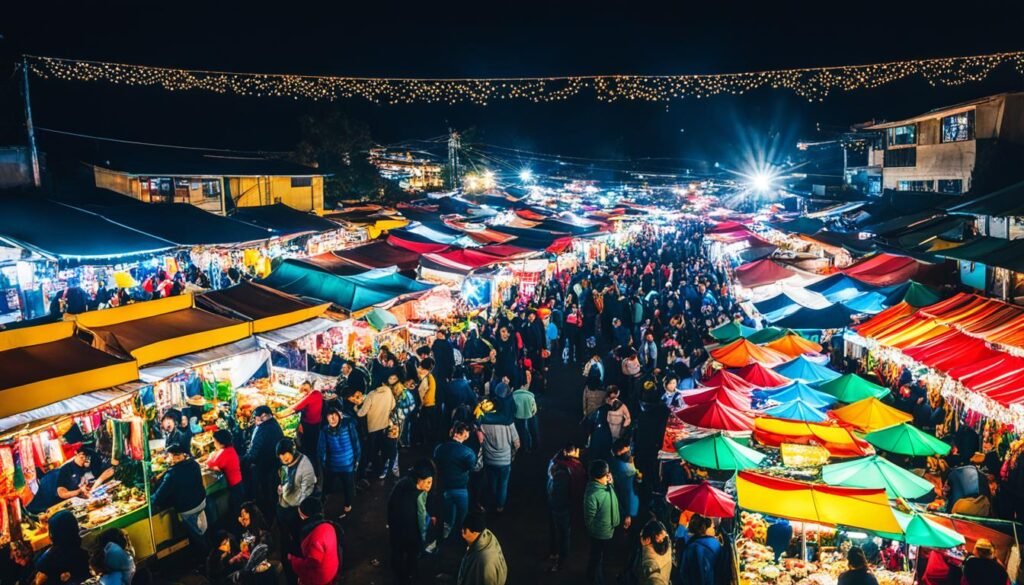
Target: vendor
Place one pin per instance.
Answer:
(311, 406)
(858, 573)
(75, 479)
(174, 432)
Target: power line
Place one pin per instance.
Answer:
(156, 144)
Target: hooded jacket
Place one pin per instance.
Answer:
(600, 510)
(483, 563)
(403, 514)
(338, 448)
(319, 562)
(377, 408)
(66, 555)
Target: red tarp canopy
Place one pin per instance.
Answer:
(465, 260)
(737, 399)
(726, 226)
(376, 254)
(419, 245)
(762, 377)
(726, 379)
(885, 319)
(763, 271)
(997, 365)
(716, 416)
(884, 269)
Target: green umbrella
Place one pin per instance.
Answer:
(877, 472)
(919, 295)
(381, 319)
(906, 439)
(851, 388)
(730, 331)
(720, 452)
(920, 531)
(767, 335)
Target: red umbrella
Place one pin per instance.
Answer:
(702, 499)
(716, 416)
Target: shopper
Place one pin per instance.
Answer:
(501, 441)
(526, 415)
(118, 556)
(338, 454)
(624, 478)
(981, 568)
(700, 555)
(310, 407)
(566, 482)
(654, 564)
(376, 409)
(319, 559)
(260, 460)
(483, 562)
(225, 459)
(408, 521)
(601, 518)
(429, 417)
(182, 489)
(455, 461)
(298, 481)
(65, 562)
(255, 530)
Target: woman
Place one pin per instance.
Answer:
(654, 563)
(404, 405)
(338, 454)
(224, 559)
(225, 459)
(858, 573)
(618, 414)
(700, 555)
(255, 530)
(311, 407)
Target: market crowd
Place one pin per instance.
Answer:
(440, 428)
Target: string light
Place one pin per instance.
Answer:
(814, 83)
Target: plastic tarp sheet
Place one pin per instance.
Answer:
(352, 293)
(414, 242)
(716, 416)
(804, 370)
(851, 388)
(267, 308)
(803, 393)
(884, 269)
(730, 331)
(867, 509)
(869, 303)
(80, 403)
(877, 472)
(761, 377)
(283, 220)
(732, 398)
(870, 414)
(800, 225)
(761, 272)
(726, 379)
(833, 317)
(47, 364)
(376, 254)
(796, 410)
(175, 365)
(837, 440)
(158, 330)
(167, 221)
(279, 337)
(793, 345)
(741, 353)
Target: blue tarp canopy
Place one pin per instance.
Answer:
(777, 303)
(870, 302)
(804, 370)
(799, 391)
(831, 317)
(352, 293)
(796, 410)
(185, 224)
(839, 287)
(282, 220)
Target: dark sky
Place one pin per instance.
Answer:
(495, 39)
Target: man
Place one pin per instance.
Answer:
(352, 379)
(408, 521)
(501, 441)
(182, 488)
(593, 371)
(620, 334)
(298, 480)
(982, 568)
(376, 409)
(624, 478)
(600, 516)
(319, 561)
(174, 431)
(655, 563)
(566, 482)
(427, 391)
(444, 356)
(526, 415)
(338, 453)
(649, 352)
(483, 563)
(455, 461)
(85, 472)
(260, 459)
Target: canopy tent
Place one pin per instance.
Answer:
(351, 293)
(267, 308)
(716, 416)
(921, 530)
(756, 251)
(70, 235)
(885, 319)
(837, 440)
(730, 331)
(701, 498)
(832, 317)
(536, 239)
(741, 353)
(913, 293)
(796, 410)
(46, 364)
(157, 330)
(766, 335)
(852, 388)
(869, 303)
(799, 225)
(732, 398)
(759, 376)
(414, 242)
(726, 226)
(1005, 202)
(380, 319)
(870, 414)
(876, 471)
(839, 287)
(804, 370)
(165, 221)
(867, 509)
(718, 451)
(277, 337)
(376, 254)
(802, 392)
(466, 260)
(79, 403)
(794, 345)
(282, 220)
(884, 269)
(246, 353)
(726, 379)
(906, 439)
(789, 301)
(761, 272)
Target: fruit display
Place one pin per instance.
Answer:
(758, 566)
(754, 528)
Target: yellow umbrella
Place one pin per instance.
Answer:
(871, 414)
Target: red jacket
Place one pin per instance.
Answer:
(319, 562)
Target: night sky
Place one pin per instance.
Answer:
(499, 39)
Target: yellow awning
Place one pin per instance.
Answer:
(384, 225)
(867, 509)
(132, 312)
(288, 319)
(27, 336)
(871, 414)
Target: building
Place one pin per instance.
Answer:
(941, 149)
(412, 173)
(215, 183)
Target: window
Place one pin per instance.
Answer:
(900, 157)
(903, 135)
(958, 127)
(302, 182)
(951, 186)
(914, 186)
(211, 188)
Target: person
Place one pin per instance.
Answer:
(408, 521)
(225, 459)
(483, 563)
(566, 483)
(427, 390)
(298, 481)
(526, 415)
(618, 414)
(654, 564)
(255, 530)
(600, 516)
(76, 478)
(501, 441)
(858, 573)
(624, 479)
(672, 397)
(65, 562)
(455, 461)
(778, 536)
(311, 407)
(338, 453)
(260, 459)
(182, 488)
(444, 356)
(223, 559)
(593, 371)
(376, 409)
(404, 405)
(699, 556)
(174, 431)
(981, 568)
(319, 561)
(118, 556)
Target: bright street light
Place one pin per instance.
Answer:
(761, 182)
(526, 176)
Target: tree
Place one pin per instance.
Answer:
(338, 145)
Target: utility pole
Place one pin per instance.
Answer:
(33, 151)
(454, 146)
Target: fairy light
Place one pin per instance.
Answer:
(814, 84)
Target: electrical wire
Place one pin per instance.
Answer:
(155, 144)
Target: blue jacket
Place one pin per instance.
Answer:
(262, 452)
(699, 559)
(181, 488)
(338, 449)
(623, 474)
(454, 461)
